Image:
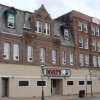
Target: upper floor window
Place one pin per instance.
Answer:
(16, 52)
(93, 45)
(97, 31)
(42, 55)
(86, 43)
(81, 60)
(38, 26)
(98, 46)
(69, 83)
(94, 61)
(93, 30)
(63, 57)
(30, 53)
(11, 20)
(47, 28)
(54, 56)
(6, 50)
(85, 28)
(71, 58)
(80, 42)
(79, 25)
(99, 61)
(87, 60)
(66, 34)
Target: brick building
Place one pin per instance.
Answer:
(29, 40)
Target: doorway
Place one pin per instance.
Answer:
(53, 86)
(5, 87)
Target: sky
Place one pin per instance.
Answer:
(57, 8)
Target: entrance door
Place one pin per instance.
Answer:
(4, 87)
(53, 86)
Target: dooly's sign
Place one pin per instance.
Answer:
(54, 72)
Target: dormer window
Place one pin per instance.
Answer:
(47, 28)
(66, 34)
(11, 17)
(38, 26)
(11, 20)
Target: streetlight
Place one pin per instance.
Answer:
(42, 76)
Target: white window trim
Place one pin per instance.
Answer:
(82, 42)
(94, 44)
(97, 31)
(38, 26)
(71, 58)
(98, 46)
(93, 29)
(85, 27)
(82, 59)
(23, 86)
(86, 47)
(86, 61)
(41, 86)
(42, 53)
(14, 56)
(98, 61)
(63, 60)
(6, 51)
(11, 16)
(54, 58)
(79, 25)
(94, 61)
(28, 58)
(46, 24)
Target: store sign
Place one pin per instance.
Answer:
(95, 20)
(54, 72)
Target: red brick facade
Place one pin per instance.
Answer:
(37, 40)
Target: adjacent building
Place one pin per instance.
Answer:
(68, 47)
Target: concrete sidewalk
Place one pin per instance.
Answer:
(56, 97)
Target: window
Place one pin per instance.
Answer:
(79, 25)
(41, 83)
(30, 53)
(42, 55)
(6, 50)
(80, 42)
(93, 30)
(97, 31)
(81, 60)
(63, 57)
(16, 52)
(23, 83)
(54, 56)
(81, 83)
(85, 28)
(38, 26)
(47, 28)
(86, 43)
(89, 82)
(71, 58)
(66, 34)
(87, 60)
(11, 20)
(99, 61)
(98, 46)
(93, 45)
(94, 61)
(70, 83)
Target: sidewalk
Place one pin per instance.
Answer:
(56, 97)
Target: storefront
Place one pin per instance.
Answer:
(25, 81)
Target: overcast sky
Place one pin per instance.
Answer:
(57, 8)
